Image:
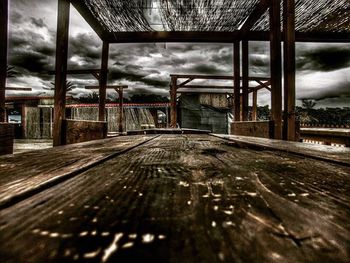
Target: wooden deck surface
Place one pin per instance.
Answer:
(338, 155)
(173, 198)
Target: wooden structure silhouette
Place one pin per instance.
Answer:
(183, 194)
(312, 23)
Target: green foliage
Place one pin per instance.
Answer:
(327, 116)
(308, 104)
(69, 85)
(90, 98)
(308, 115)
(147, 98)
(263, 113)
(11, 72)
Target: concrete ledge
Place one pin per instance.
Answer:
(6, 138)
(262, 129)
(81, 131)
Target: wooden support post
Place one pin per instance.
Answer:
(3, 56)
(237, 80)
(276, 67)
(61, 71)
(241, 107)
(245, 79)
(289, 70)
(103, 82)
(121, 113)
(173, 109)
(255, 105)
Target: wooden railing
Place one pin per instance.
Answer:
(328, 136)
(317, 125)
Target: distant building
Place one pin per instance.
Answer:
(33, 115)
(205, 112)
(40, 112)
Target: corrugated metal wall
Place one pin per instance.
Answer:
(197, 111)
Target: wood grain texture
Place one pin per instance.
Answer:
(262, 129)
(188, 198)
(3, 56)
(6, 138)
(338, 155)
(81, 131)
(27, 173)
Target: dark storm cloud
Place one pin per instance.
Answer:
(32, 61)
(31, 52)
(85, 46)
(222, 56)
(137, 74)
(324, 59)
(323, 69)
(16, 17)
(37, 22)
(182, 47)
(338, 89)
(206, 69)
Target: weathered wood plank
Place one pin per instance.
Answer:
(337, 155)
(245, 79)
(81, 131)
(103, 82)
(3, 56)
(30, 172)
(276, 67)
(289, 124)
(173, 102)
(236, 80)
(192, 197)
(61, 70)
(263, 129)
(6, 138)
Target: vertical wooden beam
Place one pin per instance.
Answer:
(276, 68)
(255, 105)
(289, 69)
(245, 79)
(103, 82)
(237, 80)
(3, 56)
(61, 71)
(23, 121)
(173, 107)
(121, 113)
(241, 107)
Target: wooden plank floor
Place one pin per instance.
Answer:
(338, 155)
(30, 172)
(188, 198)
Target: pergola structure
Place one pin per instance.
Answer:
(236, 22)
(240, 109)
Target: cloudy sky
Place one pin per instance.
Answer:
(323, 69)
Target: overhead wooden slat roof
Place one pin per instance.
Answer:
(207, 20)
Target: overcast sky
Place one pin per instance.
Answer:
(323, 69)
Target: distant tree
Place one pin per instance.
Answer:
(263, 113)
(90, 98)
(69, 85)
(148, 98)
(11, 72)
(308, 104)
